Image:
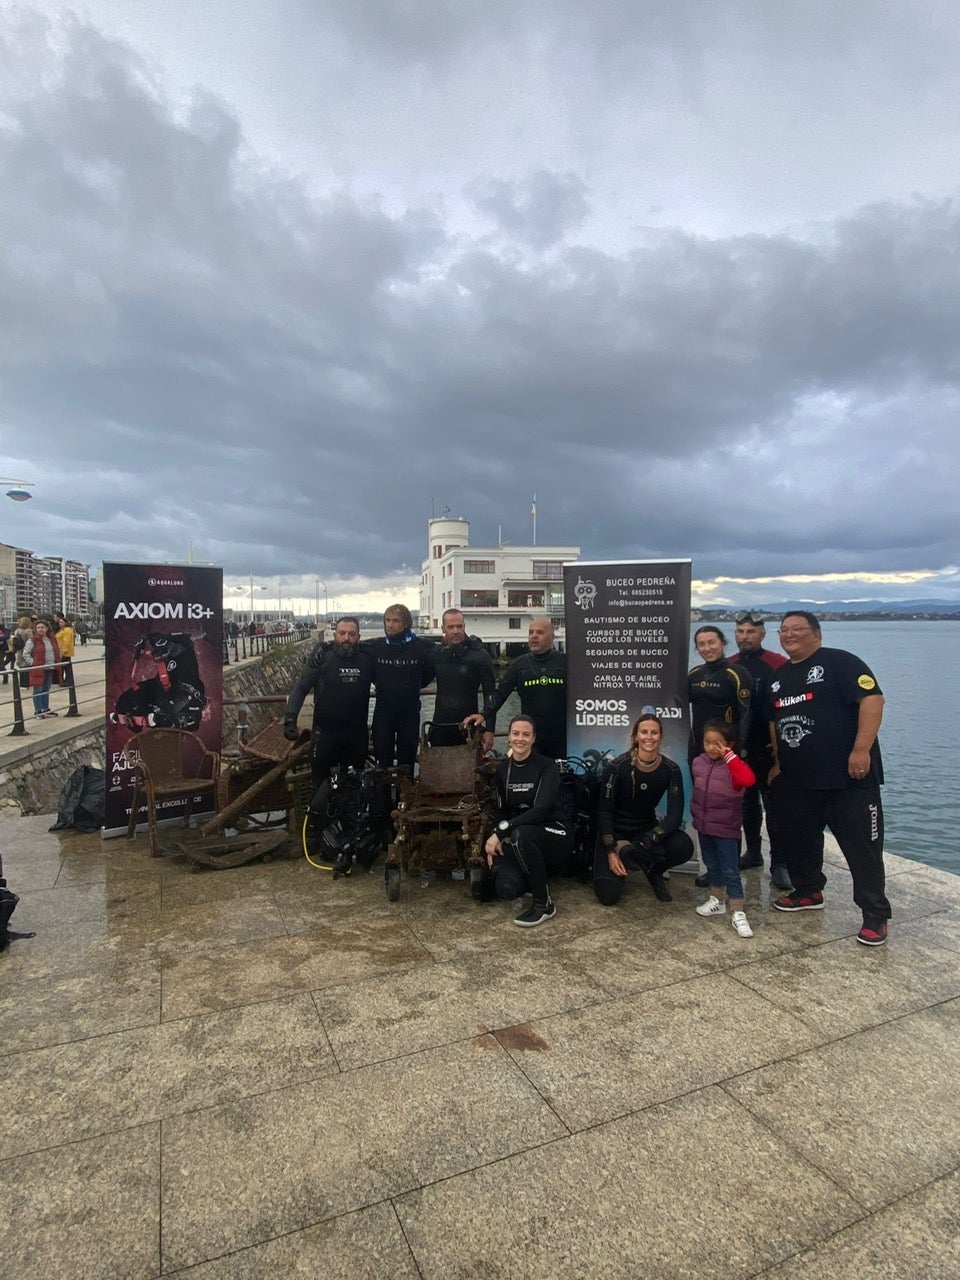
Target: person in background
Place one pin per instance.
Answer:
(825, 708)
(65, 639)
(719, 780)
(632, 836)
(40, 659)
(7, 656)
(760, 663)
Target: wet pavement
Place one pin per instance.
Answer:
(263, 1072)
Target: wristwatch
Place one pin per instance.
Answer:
(503, 826)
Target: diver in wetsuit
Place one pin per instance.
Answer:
(404, 666)
(717, 690)
(540, 679)
(339, 675)
(463, 667)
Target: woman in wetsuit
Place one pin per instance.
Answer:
(632, 837)
(717, 689)
(530, 839)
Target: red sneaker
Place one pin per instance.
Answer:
(799, 902)
(873, 935)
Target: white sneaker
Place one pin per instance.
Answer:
(741, 924)
(712, 907)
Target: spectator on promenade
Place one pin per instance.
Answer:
(540, 679)
(404, 666)
(65, 639)
(632, 836)
(18, 638)
(83, 630)
(760, 663)
(7, 655)
(40, 659)
(463, 668)
(825, 708)
(530, 841)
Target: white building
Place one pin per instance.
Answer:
(498, 589)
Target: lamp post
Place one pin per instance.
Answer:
(19, 491)
(319, 582)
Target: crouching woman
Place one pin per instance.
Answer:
(632, 836)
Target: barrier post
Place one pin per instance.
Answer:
(18, 729)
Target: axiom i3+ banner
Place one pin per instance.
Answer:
(163, 634)
(627, 628)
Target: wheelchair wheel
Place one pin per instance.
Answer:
(392, 877)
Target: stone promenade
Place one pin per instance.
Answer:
(265, 1073)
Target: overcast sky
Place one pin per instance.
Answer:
(280, 280)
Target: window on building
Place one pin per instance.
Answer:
(479, 566)
(437, 552)
(514, 623)
(548, 570)
(479, 599)
(525, 599)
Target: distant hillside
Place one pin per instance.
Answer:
(884, 608)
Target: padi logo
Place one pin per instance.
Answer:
(667, 713)
(164, 582)
(170, 610)
(815, 675)
(584, 593)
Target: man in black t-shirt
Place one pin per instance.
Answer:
(825, 707)
(339, 676)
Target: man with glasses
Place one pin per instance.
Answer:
(759, 663)
(825, 708)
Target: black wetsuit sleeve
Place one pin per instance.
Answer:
(429, 672)
(545, 799)
(673, 818)
(744, 699)
(310, 682)
(608, 785)
(503, 691)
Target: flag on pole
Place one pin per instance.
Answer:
(533, 508)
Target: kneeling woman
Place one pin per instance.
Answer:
(530, 840)
(631, 835)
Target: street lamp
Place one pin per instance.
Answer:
(19, 491)
(326, 602)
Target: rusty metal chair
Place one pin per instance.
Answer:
(169, 764)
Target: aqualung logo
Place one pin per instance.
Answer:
(164, 582)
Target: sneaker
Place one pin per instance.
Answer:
(712, 907)
(749, 860)
(741, 924)
(873, 935)
(51, 713)
(780, 876)
(798, 902)
(702, 882)
(535, 915)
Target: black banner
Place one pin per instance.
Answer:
(627, 628)
(163, 636)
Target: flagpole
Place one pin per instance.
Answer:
(533, 512)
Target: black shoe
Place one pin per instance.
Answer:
(780, 876)
(535, 915)
(702, 882)
(749, 860)
(658, 884)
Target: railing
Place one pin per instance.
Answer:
(11, 676)
(238, 648)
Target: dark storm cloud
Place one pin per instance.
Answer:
(202, 352)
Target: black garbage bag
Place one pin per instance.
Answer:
(8, 904)
(81, 800)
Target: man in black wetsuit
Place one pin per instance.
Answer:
(540, 678)
(760, 664)
(339, 675)
(404, 666)
(463, 667)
